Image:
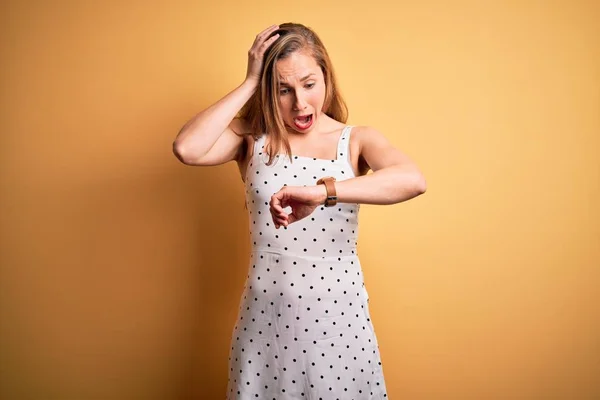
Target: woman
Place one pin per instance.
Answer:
(303, 329)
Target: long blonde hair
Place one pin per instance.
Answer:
(261, 112)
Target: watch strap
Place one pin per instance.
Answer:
(328, 181)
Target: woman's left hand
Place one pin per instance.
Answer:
(302, 199)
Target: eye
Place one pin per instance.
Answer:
(284, 91)
(310, 85)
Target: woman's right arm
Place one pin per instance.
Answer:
(209, 137)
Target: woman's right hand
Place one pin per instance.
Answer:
(257, 51)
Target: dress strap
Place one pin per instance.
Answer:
(343, 149)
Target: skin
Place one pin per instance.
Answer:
(395, 177)
(302, 92)
(210, 138)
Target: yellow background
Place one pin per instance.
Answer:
(121, 269)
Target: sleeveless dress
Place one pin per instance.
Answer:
(303, 329)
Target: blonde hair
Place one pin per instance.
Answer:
(261, 112)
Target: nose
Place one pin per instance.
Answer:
(299, 103)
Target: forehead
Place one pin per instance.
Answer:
(296, 66)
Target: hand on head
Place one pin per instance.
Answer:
(257, 51)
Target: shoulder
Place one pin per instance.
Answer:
(364, 130)
(378, 151)
(374, 149)
(362, 136)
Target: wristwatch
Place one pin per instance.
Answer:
(330, 187)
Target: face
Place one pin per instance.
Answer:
(301, 91)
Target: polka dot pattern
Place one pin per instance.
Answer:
(303, 329)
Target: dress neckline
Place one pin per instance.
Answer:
(298, 157)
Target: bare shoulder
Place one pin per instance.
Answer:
(374, 148)
(361, 135)
(364, 134)
(359, 163)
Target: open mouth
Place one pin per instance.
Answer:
(303, 122)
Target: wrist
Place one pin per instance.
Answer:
(251, 83)
(322, 193)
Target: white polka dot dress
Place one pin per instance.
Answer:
(303, 329)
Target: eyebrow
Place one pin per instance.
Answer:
(281, 83)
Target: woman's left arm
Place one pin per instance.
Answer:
(395, 176)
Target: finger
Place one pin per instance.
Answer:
(279, 212)
(260, 37)
(268, 29)
(268, 42)
(278, 217)
(275, 217)
(292, 218)
(276, 205)
(279, 222)
(259, 48)
(278, 202)
(282, 198)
